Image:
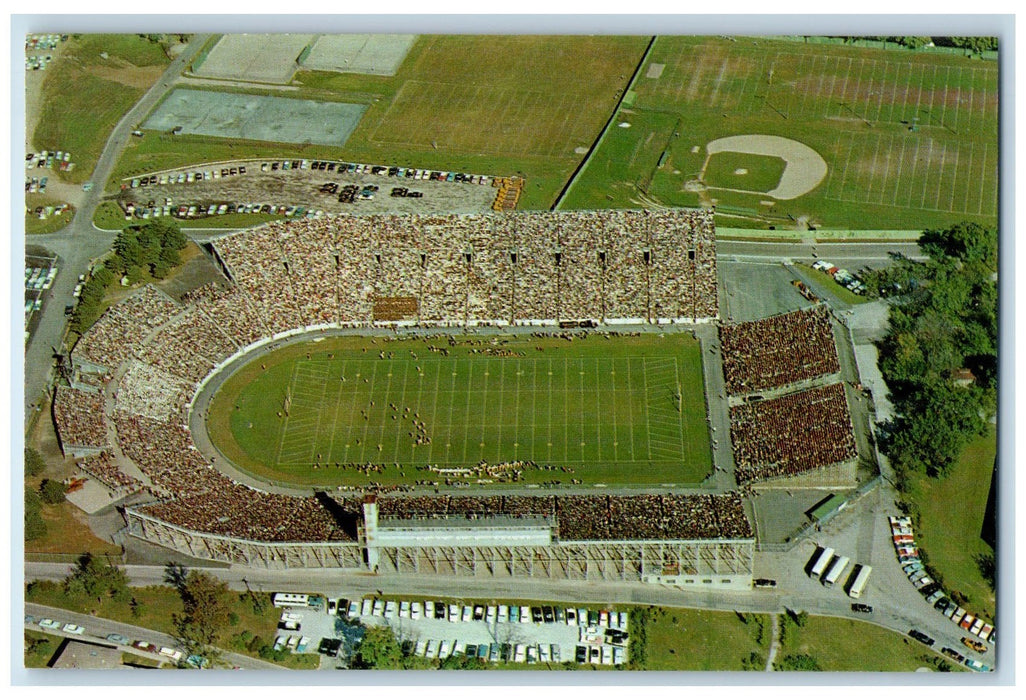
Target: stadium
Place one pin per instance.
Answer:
(129, 411)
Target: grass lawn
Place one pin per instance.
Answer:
(704, 640)
(601, 407)
(154, 610)
(744, 171)
(66, 533)
(33, 224)
(951, 514)
(853, 105)
(84, 94)
(40, 648)
(849, 645)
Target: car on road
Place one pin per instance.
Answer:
(145, 646)
(119, 639)
(765, 583)
(977, 666)
(87, 187)
(47, 623)
(29, 620)
(974, 645)
(71, 628)
(921, 637)
(861, 608)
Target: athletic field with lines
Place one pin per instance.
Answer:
(624, 411)
(910, 138)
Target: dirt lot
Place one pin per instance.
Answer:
(301, 188)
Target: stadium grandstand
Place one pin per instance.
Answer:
(144, 360)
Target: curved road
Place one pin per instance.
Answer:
(80, 242)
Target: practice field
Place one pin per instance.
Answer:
(374, 54)
(909, 138)
(256, 117)
(607, 409)
(262, 58)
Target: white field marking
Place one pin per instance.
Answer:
(808, 84)
(334, 417)
(366, 423)
(933, 93)
(612, 398)
(466, 413)
(434, 412)
(940, 177)
(926, 179)
(972, 96)
(874, 174)
(915, 169)
(516, 412)
(855, 98)
(831, 187)
(718, 84)
(983, 178)
(502, 387)
(566, 411)
(944, 103)
(883, 85)
(847, 163)
(548, 402)
(954, 181)
(402, 402)
(534, 398)
(919, 96)
(352, 412)
(742, 97)
(695, 84)
(598, 407)
(844, 87)
(285, 423)
(448, 424)
(648, 426)
(901, 165)
(386, 397)
(958, 100)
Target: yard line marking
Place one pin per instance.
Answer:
(926, 179)
(958, 101)
(940, 177)
(502, 418)
(516, 412)
(548, 425)
(534, 399)
(983, 179)
(566, 411)
(844, 88)
(897, 179)
(955, 178)
(847, 161)
(402, 402)
(387, 397)
(466, 413)
(448, 426)
(883, 86)
(915, 169)
(933, 94)
(334, 421)
(856, 97)
(366, 423)
(919, 96)
(648, 426)
(581, 419)
(285, 423)
(434, 408)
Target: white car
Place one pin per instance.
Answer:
(429, 609)
(49, 624)
(416, 610)
(454, 613)
(391, 609)
(468, 614)
(73, 629)
(503, 613)
(379, 608)
(404, 609)
(490, 614)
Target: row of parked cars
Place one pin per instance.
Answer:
(119, 639)
(519, 614)
(183, 177)
(49, 159)
(912, 565)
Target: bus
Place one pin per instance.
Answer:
(820, 566)
(859, 584)
(285, 600)
(835, 571)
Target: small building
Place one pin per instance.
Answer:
(75, 654)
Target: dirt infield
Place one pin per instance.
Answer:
(261, 58)
(805, 168)
(373, 54)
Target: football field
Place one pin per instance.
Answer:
(630, 412)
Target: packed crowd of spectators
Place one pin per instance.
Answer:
(116, 334)
(778, 351)
(792, 434)
(79, 418)
(149, 391)
(458, 268)
(587, 517)
(102, 468)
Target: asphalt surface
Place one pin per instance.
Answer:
(97, 629)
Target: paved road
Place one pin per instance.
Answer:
(79, 243)
(97, 629)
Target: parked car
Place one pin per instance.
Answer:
(977, 666)
(118, 639)
(974, 645)
(765, 583)
(73, 628)
(952, 654)
(861, 608)
(921, 637)
(47, 623)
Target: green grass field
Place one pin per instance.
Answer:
(850, 645)
(604, 408)
(853, 105)
(705, 640)
(743, 171)
(960, 497)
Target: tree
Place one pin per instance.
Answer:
(798, 662)
(35, 526)
(379, 649)
(34, 462)
(97, 579)
(52, 492)
(175, 574)
(207, 604)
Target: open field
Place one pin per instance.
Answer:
(501, 105)
(84, 95)
(849, 645)
(705, 640)
(855, 106)
(960, 497)
(606, 411)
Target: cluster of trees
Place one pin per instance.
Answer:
(207, 608)
(380, 649)
(35, 526)
(94, 578)
(945, 321)
(139, 252)
(975, 44)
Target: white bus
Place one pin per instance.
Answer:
(835, 571)
(286, 600)
(820, 566)
(859, 584)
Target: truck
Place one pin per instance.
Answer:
(859, 584)
(821, 562)
(835, 571)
